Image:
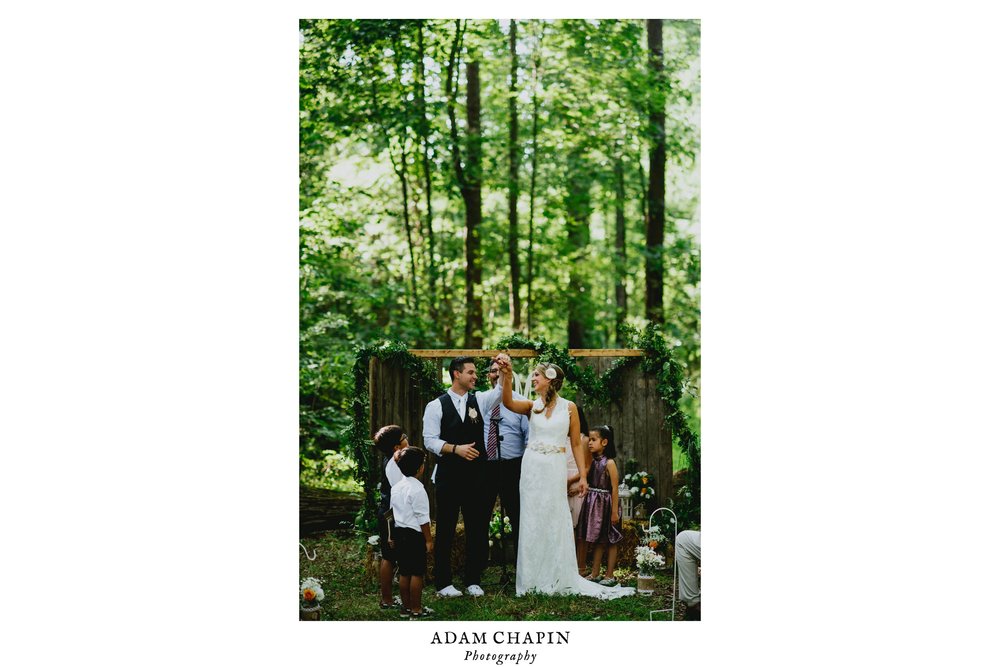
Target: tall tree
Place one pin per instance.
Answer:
(469, 180)
(513, 187)
(578, 208)
(621, 296)
(424, 131)
(537, 64)
(657, 175)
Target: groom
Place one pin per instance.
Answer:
(454, 431)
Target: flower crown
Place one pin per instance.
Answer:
(550, 373)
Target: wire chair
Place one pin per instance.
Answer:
(673, 598)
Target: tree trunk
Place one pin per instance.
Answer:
(322, 510)
(621, 296)
(469, 179)
(657, 176)
(400, 170)
(531, 188)
(424, 130)
(406, 196)
(472, 193)
(579, 302)
(513, 188)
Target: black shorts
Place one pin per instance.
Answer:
(411, 552)
(388, 553)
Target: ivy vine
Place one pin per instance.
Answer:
(657, 361)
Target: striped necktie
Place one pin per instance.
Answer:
(494, 439)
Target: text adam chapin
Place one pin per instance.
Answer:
(501, 637)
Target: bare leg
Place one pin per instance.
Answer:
(598, 558)
(385, 581)
(612, 560)
(581, 555)
(404, 589)
(416, 589)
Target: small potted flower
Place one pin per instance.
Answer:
(501, 527)
(647, 560)
(310, 595)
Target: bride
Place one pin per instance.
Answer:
(546, 553)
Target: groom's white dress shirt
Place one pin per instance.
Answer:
(432, 416)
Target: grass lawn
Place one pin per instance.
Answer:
(352, 595)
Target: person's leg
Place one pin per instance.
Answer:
(581, 555)
(404, 589)
(477, 532)
(385, 580)
(598, 559)
(612, 561)
(416, 589)
(492, 487)
(447, 519)
(688, 553)
(510, 493)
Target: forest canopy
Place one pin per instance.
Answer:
(464, 180)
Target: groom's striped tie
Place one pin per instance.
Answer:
(494, 438)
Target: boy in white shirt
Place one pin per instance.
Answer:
(411, 510)
(390, 441)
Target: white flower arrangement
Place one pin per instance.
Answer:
(654, 537)
(472, 413)
(640, 483)
(496, 525)
(373, 540)
(310, 594)
(647, 560)
(551, 374)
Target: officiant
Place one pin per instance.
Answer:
(505, 434)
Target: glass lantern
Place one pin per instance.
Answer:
(625, 494)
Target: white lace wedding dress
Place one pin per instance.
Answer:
(546, 553)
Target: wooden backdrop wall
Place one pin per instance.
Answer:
(637, 419)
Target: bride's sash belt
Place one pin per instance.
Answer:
(546, 448)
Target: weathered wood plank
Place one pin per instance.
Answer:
(579, 352)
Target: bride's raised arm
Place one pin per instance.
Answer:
(507, 381)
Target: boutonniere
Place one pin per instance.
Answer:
(473, 413)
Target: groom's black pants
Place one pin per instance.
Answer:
(464, 492)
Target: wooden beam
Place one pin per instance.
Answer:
(440, 354)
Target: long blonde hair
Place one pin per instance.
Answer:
(555, 384)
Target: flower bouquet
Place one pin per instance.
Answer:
(653, 537)
(499, 526)
(310, 595)
(647, 560)
(641, 486)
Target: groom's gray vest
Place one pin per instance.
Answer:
(457, 432)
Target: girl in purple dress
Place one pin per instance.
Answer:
(600, 518)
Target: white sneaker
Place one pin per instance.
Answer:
(450, 592)
(474, 590)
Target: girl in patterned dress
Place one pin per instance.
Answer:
(600, 518)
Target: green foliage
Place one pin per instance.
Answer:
(370, 120)
(340, 563)
(657, 361)
(333, 471)
(358, 434)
